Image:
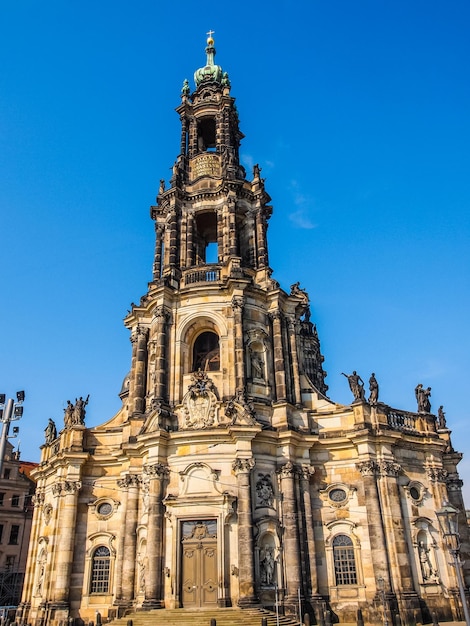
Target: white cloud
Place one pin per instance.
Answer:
(301, 216)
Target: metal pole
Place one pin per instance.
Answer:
(277, 607)
(463, 599)
(8, 411)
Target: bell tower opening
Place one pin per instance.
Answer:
(206, 238)
(206, 352)
(206, 135)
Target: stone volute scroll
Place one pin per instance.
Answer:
(200, 402)
(240, 410)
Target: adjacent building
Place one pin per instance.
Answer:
(16, 514)
(229, 477)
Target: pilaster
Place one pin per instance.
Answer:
(291, 536)
(154, 598)
(246, 565)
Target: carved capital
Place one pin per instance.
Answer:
(66, 487)
(306, 471)
(367, 468)
(139, 332)
(161, 315)
(238, 302)
(437, 474)
(131, 480)
(389, 468)
(243, 466)
(454, 482)
(159, 470)
(275, 315)
(287, 470)
(38, 498)
(291, 324)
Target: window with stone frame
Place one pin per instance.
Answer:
(344, 560)
(100, 570)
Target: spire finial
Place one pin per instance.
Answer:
(211, 71)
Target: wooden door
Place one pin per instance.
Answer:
(199, 564)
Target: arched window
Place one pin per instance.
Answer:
(206, 353)
(206, 135)
(205, 238)
(100, 570)
(344, 560)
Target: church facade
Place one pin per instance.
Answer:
(229, 477)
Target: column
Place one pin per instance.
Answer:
(157, 263)
(292, 326)
(260, 239)
(190, 253)
(232, 227)
(192, 139)
(183, 251)
(137, 385)
(184, 127)
(291, 547)
(121, 542)
(162, 317)
(401, 574)
(438, 478)
(173, 239)
(154, 592)
(237, 306)
(246, 562)
(220, 236)
(368, 470)
(67, 496)
(306, 472)
(31, 573)
(279, 373)
(132, 483)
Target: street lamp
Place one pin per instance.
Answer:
(381, 588)
(9, 411)
(449, 525)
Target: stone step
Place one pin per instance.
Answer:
(203, 617)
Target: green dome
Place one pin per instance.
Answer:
(210, 72)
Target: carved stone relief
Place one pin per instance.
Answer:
(199, 403)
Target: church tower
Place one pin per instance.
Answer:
(228, 478)
(212, 308)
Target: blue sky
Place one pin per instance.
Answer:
(358, 114)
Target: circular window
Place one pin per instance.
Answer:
(105, 508)
(415, 493)
(337, 495)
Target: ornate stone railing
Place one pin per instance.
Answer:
(401, 420)
(207, 274)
